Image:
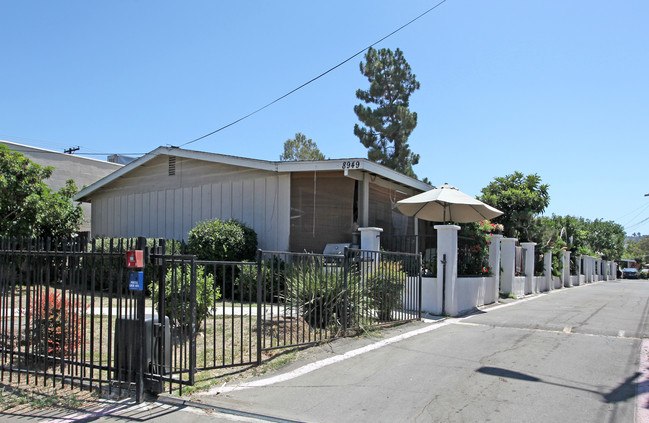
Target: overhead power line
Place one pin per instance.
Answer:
(37, 150)
(316, 78)
(636, 224)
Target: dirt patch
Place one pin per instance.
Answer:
(22, 397)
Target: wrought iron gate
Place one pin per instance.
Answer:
(69, 316)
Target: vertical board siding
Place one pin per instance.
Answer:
(260, 206)
(197, 205)
(248, 200)
(162, 213)
(216, 200)
(123, 215)
(206, 202)
(261, 202)
(139, 200)
(226, 201)
(152, 213)
(179, 213)
(168, 231)
(237, 199)
(270, 215)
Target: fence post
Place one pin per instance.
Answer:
(345, 296)
(419, 289)
(260, 321)
(141, 365)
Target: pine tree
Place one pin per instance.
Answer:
(387, 127)
(301, 148)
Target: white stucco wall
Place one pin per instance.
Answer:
(474, 292)
(541, 283)
(518, 286)
(431, 296)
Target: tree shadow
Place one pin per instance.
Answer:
(626, 390)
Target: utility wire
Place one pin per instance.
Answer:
(636, 215)
(316, 78)
(38, 150)
(636, 224)
(633, 211)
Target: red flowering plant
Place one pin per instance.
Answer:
(490, 228)
(473, 249)
(57, 325)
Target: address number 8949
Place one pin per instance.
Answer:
(352, 165)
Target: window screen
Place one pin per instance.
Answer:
(322, 209)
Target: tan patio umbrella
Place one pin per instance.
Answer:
(447, 204)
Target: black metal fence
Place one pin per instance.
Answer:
(307, 298)
(426, 245)
(59, 303)
(73, 314)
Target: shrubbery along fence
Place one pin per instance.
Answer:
(68, 315)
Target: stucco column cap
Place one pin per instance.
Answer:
(370, 229)
(446, 227)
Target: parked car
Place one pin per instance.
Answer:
(630, 273)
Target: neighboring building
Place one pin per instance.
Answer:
(82, 170)
(293, 206)
(121, 159)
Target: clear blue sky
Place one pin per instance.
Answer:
(554, 87)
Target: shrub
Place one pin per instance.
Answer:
(177, 289)
(473, 250)
(219, 240)
(273, 280)
(320, 294)
(57, 325)
(384, 289)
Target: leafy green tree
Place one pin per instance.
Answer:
(387, 127)
(606, 238)
(582, 236)
(301, 148)
(520, 198)
(638, 250)
(28, 207)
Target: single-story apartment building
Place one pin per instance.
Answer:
(293, 206)
(82, 170)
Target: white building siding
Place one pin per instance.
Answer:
(197, 192)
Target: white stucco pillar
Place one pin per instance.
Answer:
(565, 272)
(447, 266)
(590, 274)
(494, 262)
(580, 265)
(370, 238)
(529, 265)
(547, 263)
(508, 264)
